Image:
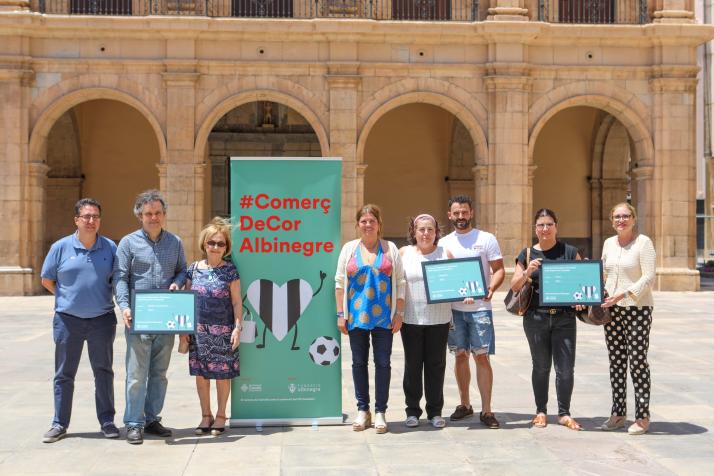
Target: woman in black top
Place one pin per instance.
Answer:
(551, 331)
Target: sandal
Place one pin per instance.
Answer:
(380, 423)
(569, 422)
(540, 420)
(215, 431)
(203, 430)
(639, 427)
(363, 420)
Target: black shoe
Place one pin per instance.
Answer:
(156, 428)
(489, 419)
(134, 435)
(461, 412)
(109, 430)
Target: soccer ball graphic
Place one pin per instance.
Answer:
(463, 291)
(170, 324)
(578, 296)
(324, 350)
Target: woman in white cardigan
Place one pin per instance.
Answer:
(629, 263)
(369, 294)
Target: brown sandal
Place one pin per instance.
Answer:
(204, 430)
(540, 420)
(569, 422)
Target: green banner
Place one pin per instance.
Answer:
(286, 240)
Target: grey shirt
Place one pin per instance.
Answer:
(145, 264)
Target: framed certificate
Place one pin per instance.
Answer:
(453, 279)
(571, 282)
(160, 311)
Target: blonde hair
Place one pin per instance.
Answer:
(372, 210)
(217, 225)
(632, 209)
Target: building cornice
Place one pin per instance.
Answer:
(35, 25)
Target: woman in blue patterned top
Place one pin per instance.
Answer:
(369, 292)
(213, 349)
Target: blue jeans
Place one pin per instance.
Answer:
(359, 344)
(69, 334)
(551, 338)
(147, 359)
(472, 332)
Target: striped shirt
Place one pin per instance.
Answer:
(145, 264)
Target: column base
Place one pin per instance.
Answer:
(17, 281)
(676, 279)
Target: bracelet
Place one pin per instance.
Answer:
(340, 314)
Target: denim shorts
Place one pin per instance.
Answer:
(472, 332)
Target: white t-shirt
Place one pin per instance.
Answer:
(466, 245)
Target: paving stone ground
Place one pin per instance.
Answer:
(680, 442)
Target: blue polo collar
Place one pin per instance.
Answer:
(78, 244)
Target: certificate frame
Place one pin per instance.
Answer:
(160, 311)
(571, 283)
(453, 280)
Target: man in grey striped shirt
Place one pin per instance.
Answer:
(149, 258)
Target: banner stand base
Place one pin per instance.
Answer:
(259, 423)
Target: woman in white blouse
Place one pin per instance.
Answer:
(426, 326)
(629, 263)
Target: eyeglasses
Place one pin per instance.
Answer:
(216, 244)
(89, 218)
(543, 226)
(621, 217)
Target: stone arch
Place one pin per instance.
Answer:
(231, 102)
(369, 116)
(49, 116)
(623, 104)
(91, 82)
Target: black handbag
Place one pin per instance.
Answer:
(517, 302)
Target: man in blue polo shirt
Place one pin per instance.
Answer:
(78, 271)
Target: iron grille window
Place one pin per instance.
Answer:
(421, 9)
(100, 7)
(262, 8)
(586, 11)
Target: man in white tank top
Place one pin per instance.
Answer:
(472, 331)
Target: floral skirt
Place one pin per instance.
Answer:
(210, 354)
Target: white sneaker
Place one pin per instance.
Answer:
(380, 423)
(412, 421)
(363, 420)
(438, 422)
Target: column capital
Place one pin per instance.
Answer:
(643, 172)
(480, 172)
(26, 76)
(361, 169)
(14, 5)
(343, 80)
(180, 78)
(508, 77)
(673, 84)
(37, 169)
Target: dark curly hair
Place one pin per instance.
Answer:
(411, 236)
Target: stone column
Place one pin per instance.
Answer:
(21, 233)
(344, 83)
(180, 183)
(509, 196)
(480, 192)
(672, 205)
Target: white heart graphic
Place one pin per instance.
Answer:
(279, 307)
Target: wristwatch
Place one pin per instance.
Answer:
(239, 326)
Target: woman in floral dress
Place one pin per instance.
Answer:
(213, 349)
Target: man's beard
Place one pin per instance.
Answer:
(460, 224)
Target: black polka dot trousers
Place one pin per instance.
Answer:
(628, 339)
